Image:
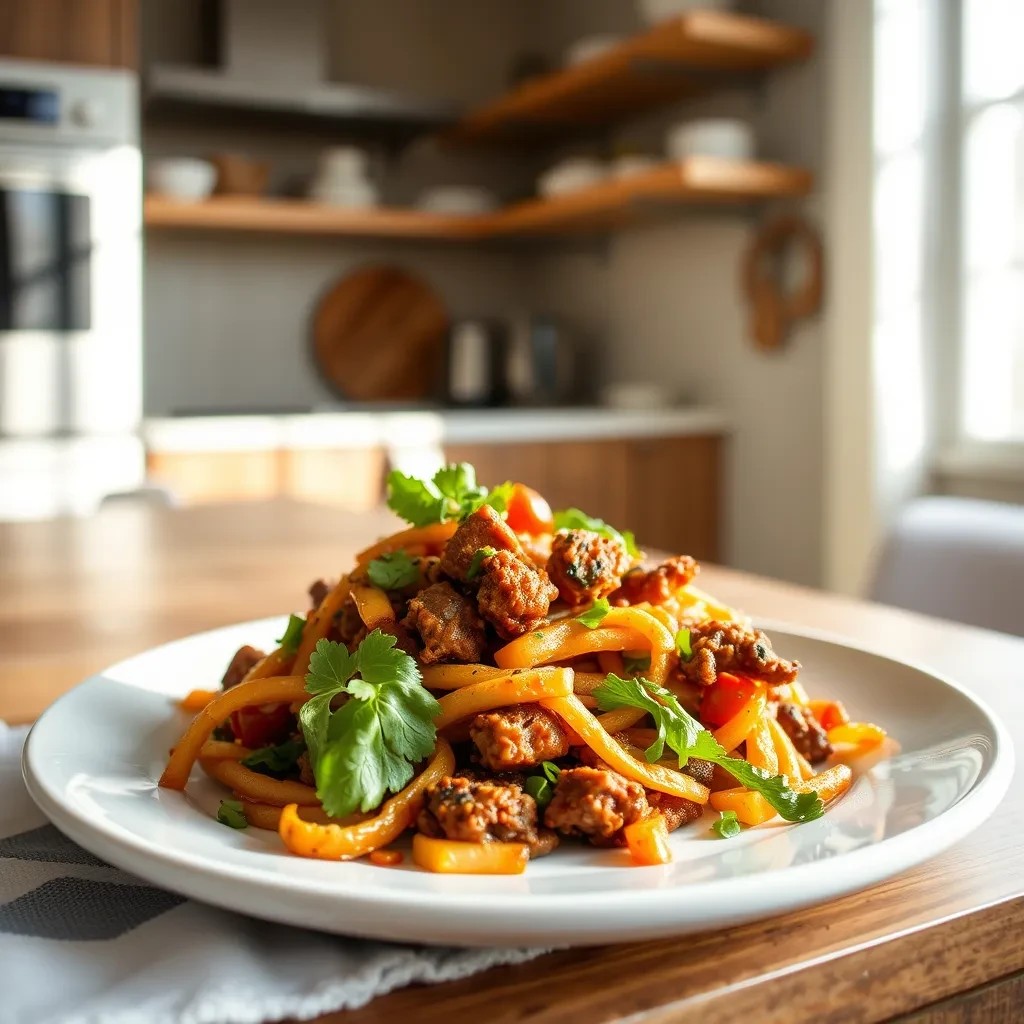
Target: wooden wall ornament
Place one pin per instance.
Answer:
(773, 309)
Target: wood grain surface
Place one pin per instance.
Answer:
(379, 335)
(78, 594)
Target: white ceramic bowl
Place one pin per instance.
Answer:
(352, 193)
(724, 137)
(185, 178)
(344, 164)
(457, 200)
(654, 11)
(632, 163)
(570, 176)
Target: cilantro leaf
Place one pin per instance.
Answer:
(394, 570)
(368, 746)
(230, 813)
(683, 648)
(478, 561)
(728, 825)
(575, 519)
(276, 760)
(292, 633)
(594, 615)
(452, 493)
(687, 738)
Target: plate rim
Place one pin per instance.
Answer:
(194, 874)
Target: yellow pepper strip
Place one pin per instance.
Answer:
(196, 700)
(223, 750)
(275, 690)
(621, 718)
(452, 677)
(511, 688)
(450, 857)
(318, 624)
(761, 749)
(276, 663)
(261, 789)
(743, 723)
(653, 776)
(562, 640)
(337, 842)
(433, 538)
(788, 757)
(751, 808)
(647, 841)
(861, 734)
(372, 604)
(829, 784)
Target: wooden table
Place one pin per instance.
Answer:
(942, 943)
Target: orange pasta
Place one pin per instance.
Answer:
(829, 784)
(276, 663)
(761, 749)
(738, 728)
(518, 688)
(268, 817)
(786, 754)
(452, 677)
(319, 623)
(372, 604)
(563, 640)
(261, 789)
(431, 538)
(196, 700)
(279, 690)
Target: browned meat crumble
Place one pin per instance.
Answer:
(448, 625)
(585, 566)
(514, 597)
(731, 647)
(518, 737)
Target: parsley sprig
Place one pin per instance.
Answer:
(687, 738)
(542, 787)
(394, 570)
(452, 493)
(727, 826)
(230, 813)
(292, 635)
(575, 519)
(277, 760)
(368, 747)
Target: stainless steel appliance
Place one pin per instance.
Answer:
(475, 370)
(70, 287)
(542, 366)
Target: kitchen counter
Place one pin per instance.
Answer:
(415, 429)
(937, 942)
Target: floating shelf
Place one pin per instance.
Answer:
(689, 54)
(602, 207)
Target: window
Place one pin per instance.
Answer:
(989, 145)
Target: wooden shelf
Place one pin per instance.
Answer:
(688, 54)
(607, 205)
(302, 217)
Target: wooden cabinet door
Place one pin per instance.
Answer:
(93, 32)
(674, 494)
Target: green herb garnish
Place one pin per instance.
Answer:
(278, 760)
(292, 633)
(687, 738)
(594, 615)
(394, 570)
(230, 813)
(478, 561)
(542, 787)
(635, 664)
(368, 747)
(452, 493)
(728, 825)
(683, 644)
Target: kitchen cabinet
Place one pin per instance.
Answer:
(663, 488)
(100, 33)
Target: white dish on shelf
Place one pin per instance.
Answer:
(727, 138)
(590, 47)
(629, 164)
(571, 175)
(457, 200)
(184, 178)
(656, 11)
(92, 760)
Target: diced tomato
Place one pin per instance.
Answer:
(725, 697)
(262, 726)
(528, 512)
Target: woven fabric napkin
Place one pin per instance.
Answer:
(81, 941)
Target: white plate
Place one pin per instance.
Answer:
(91, 763)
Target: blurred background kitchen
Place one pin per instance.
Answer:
(743, 277)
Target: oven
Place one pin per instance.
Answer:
(70, 272)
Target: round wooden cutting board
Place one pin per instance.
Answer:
(379, 335)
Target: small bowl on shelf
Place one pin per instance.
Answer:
(726, 138)
(654, 12)
(184, 179)
(571, 175)
(238, 175)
